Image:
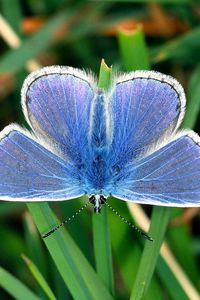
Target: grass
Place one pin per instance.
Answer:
(97, 256)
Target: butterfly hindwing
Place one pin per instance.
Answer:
(29, 172)
(169, 176)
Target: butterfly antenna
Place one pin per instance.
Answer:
(66, 221)
(141, 232)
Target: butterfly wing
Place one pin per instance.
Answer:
(145, 106)
(57, 102)
(29, 172)
(170, 176)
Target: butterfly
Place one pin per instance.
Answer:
(121, 142)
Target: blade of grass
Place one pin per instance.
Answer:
(75, 270)
(39, 277)
(14, 15)
(59, 287)
(105, 75)
(14, 287)
(193, 103)
(101, 233)
(178, 48)
(126, 246)
(15, 59)
(35, 251)
(13, 40)
(169, 280)
(133, 50)
(180, 277)
(179, 237)
(83, 221)
(159, 221)
(10, 208)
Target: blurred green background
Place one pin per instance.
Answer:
(79, 34)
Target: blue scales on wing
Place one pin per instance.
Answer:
(57, 102)
(29, 172)
(169, 176)
(50, 163)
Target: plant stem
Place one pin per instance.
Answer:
(101, 230)
(159, 220)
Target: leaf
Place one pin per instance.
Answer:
(133, 49)
(14, 287)
(15, 59)
(75, 270)
(39, 277)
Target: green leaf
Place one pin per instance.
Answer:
(34, 245)
(105, 75)
(15, 59)
(169, 280)
(178, 48)
(159, 221)
(35, 251)
(101, 229)
(9, 208)
(14, 287)
(133, 49)
(75, 270)
(102, 248)
(193, 100)
(13, 16)
(39, 277)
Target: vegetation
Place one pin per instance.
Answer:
(98, 256)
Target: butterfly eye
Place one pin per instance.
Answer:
(102, 200)
(92, 199)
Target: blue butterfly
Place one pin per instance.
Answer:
(84, 140)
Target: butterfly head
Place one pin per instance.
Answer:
(97, 201)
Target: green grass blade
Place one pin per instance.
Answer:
(101, 229)
(179, 238)
(8, 208)
(35, 250)
(15, 287)
(159, 221)
(39, 277)
(182, 47)
(193, 100)
(169, 281)
(14, 15)
(75, 270)
(15, 59)
(133, 49)
(102, 248)
(105, 75)
(126, 246)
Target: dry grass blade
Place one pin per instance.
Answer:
(142, 220)
(11, 38)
